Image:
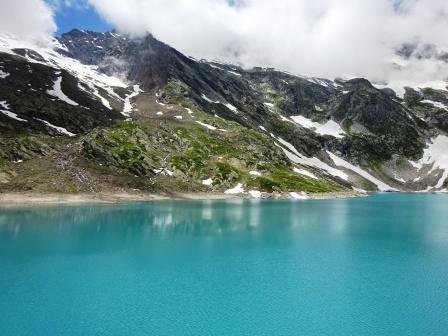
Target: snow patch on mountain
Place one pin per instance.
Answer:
(435, 104)
(228, 105)
(3, 74)
(322, 82)
(210, 127)
(238, 189)
(270, 106)
(12, 115)
(60, 130)
(127, 109)
(305, 173)
(97, 94)
(58, 93)
(207, 182)
(255, 193)
(86, 74)
(329, 128)
(164, 172)
(293, 155)
(8, 113)
(216, 67)
(231, 107)
(436, 154)
(110, 91)
(203, 96)
(342, 163)
(234, 73)
(4, 104)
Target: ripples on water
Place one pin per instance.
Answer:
(368, 266)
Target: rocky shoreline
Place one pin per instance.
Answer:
(20, 199)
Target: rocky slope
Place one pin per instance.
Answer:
(103, 111)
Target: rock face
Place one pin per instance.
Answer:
(197, 120)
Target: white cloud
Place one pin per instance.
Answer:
(27, 19)
(325, 38)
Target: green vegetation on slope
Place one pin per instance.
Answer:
(193, 153)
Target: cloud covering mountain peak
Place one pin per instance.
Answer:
(326, 38)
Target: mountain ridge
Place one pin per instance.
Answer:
(339, 134)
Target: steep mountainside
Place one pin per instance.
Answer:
(103, 111)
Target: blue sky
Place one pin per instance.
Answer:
(81, 17)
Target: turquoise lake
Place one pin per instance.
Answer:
(366, 266)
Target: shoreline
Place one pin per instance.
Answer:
(35, 198)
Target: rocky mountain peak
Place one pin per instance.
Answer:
(339, 133)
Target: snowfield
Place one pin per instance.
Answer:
(58, 93)
(231, 107)
(94, 90)
(228, 105)
(8, 113)
(435, 104)
(127, 109)
(210, 127)
(87, 75)
(234, 73)
(270, 106)
(203, 96)
(61, 130)
(3, 74)
(298, 158)
(255, 193)
(305, 173)
(436, 154)
(342, 163)
(207, 182)
(238, 189)
(12, 115)
(329, 128)
(164, 172)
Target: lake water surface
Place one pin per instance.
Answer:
(365, 266)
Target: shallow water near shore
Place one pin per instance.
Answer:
(360, 266)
